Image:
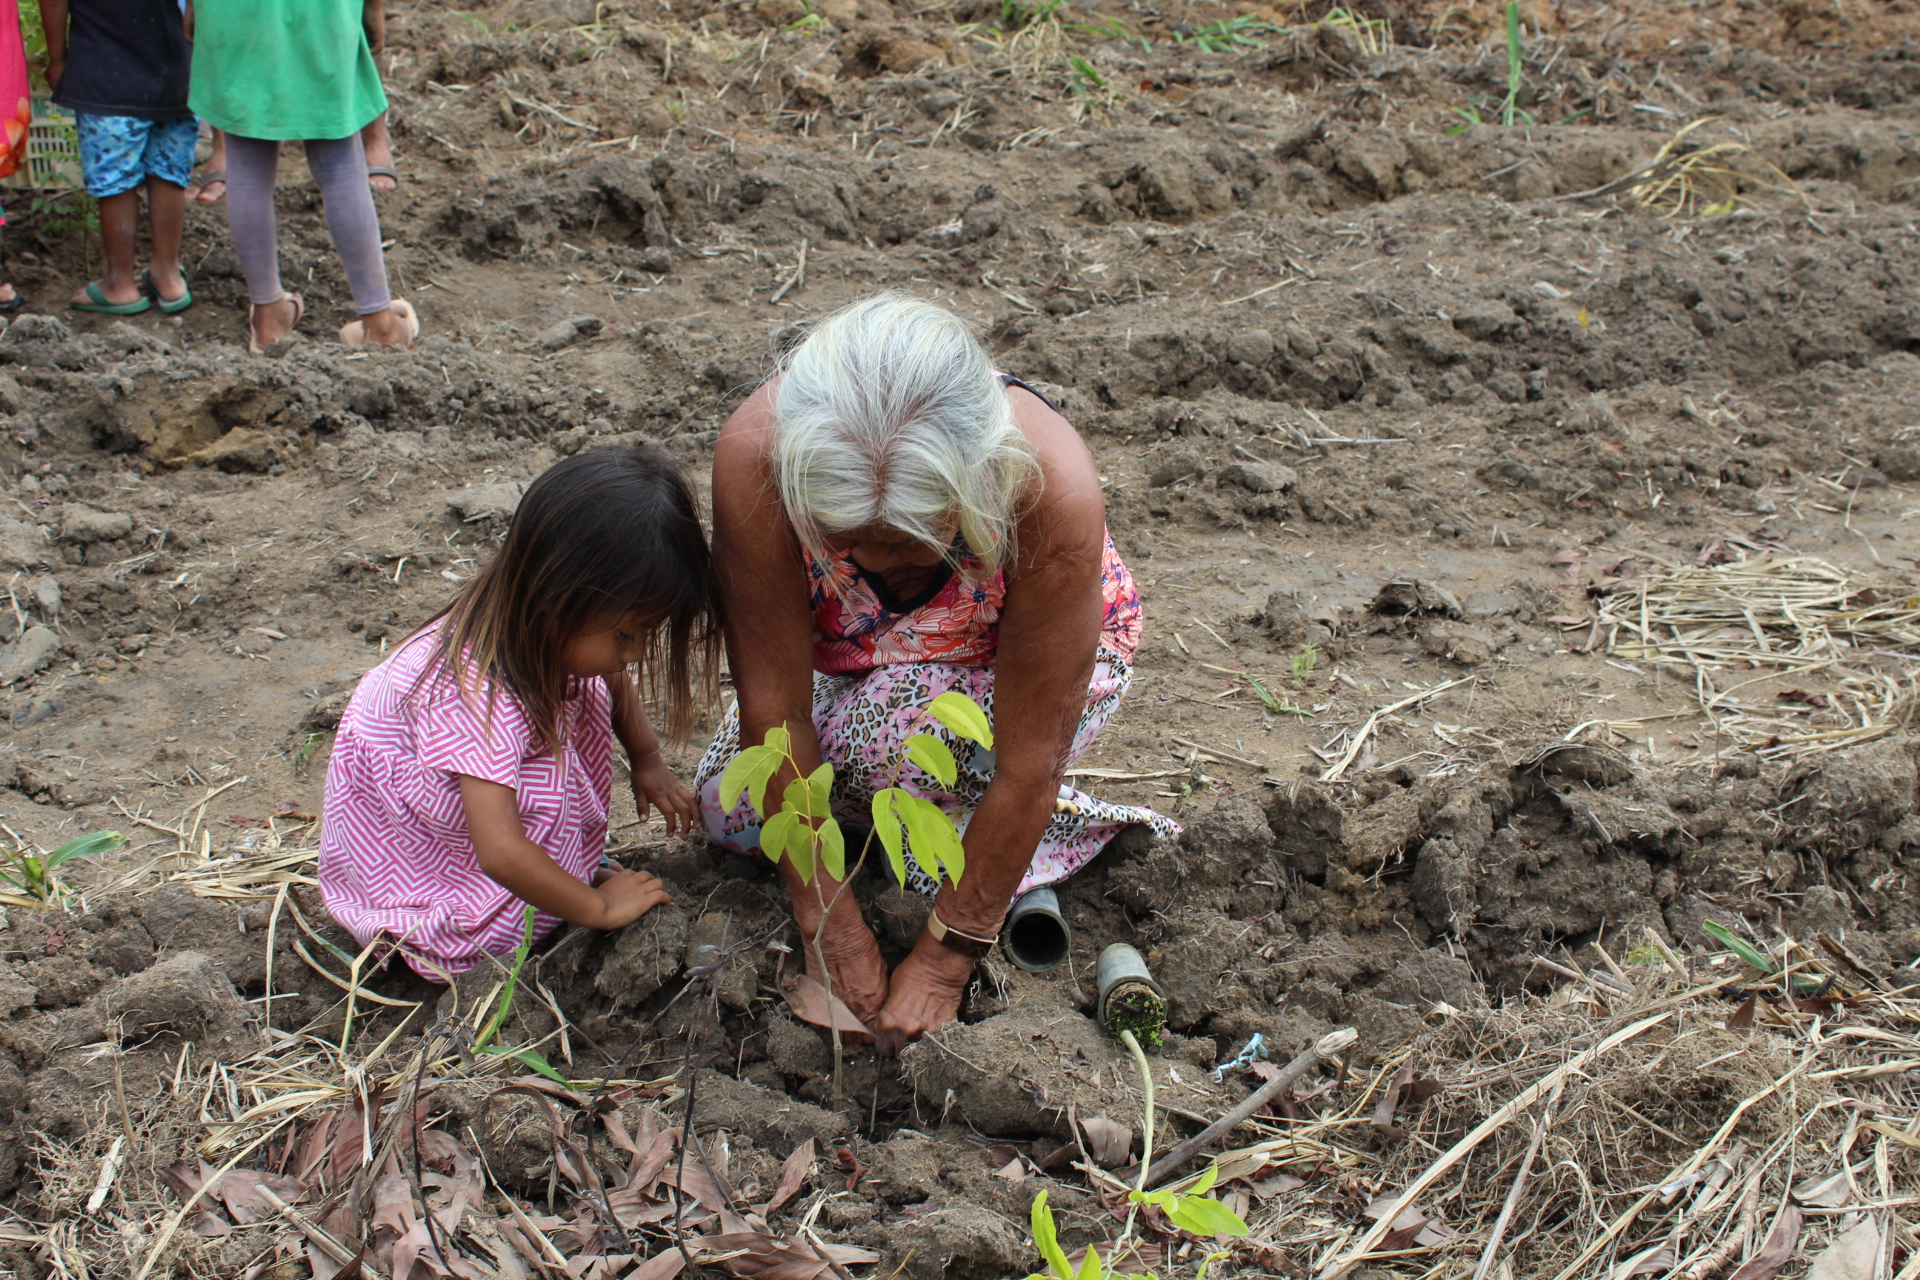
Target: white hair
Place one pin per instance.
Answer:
(890, 413)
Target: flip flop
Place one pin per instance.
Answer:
(383, 171)
(299, 310)
(207, 180)
(168, 307)
(98, 304)
(354, 334)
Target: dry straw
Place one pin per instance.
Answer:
(1787, 657)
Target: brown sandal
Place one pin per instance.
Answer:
(299, 310)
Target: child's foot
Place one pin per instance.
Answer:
(106, 299)
(269, 322)
(9, 300)
(168, 288)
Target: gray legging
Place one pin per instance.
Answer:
(339, 166)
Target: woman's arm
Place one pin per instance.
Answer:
(529, 872)
(1049, 632)
(763, 587)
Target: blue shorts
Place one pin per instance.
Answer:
(118, 153)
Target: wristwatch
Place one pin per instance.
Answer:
(952, 939)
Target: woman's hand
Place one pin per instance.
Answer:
(654, 783)
(924, 994)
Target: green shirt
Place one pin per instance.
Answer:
(283, 70)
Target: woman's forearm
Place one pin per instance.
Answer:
(1000, 842)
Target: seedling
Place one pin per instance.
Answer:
(304, 752)
(804, 832)
(1192, 1210)
(1227, 34)
(1374, 34)
(525, 1057)
(1136, 1009)
(1278, 706)
(1305, 661)
(32, 873)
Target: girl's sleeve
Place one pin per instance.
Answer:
(463, 734)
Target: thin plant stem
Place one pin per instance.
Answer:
(1146, 1135)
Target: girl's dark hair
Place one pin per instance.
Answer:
(596, 537)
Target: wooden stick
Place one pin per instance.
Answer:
(323, 1239)
(799, 274)
(1499, 1233)
(1226, 756)
(1485, 1129)
(1328, 1046)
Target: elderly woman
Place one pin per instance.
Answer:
(894, 519)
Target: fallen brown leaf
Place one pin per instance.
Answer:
(1777, 1251)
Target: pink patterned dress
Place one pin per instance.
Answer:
(395, 854)
(878, 663)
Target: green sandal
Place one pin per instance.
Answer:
(98, 304)
(177, 305)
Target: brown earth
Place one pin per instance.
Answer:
(1231, 269)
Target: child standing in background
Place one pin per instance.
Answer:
(121, 67)
(473, 769)
(16, 109)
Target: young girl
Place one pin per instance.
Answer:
(473, 767)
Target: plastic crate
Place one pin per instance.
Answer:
(53, 153)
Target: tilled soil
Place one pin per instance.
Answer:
(1380, 396)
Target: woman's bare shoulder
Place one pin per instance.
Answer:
(746, 438)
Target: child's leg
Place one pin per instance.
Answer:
(112, 150)
(339, 168)
(169, 164)
(251, 163)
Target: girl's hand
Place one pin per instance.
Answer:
(654, 783)
(628, 895)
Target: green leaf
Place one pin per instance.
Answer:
(1047, 1240)
(819, 788)
(930, 832)
(800, 850)
(1091, 1268)
(1749, 954)
(886, 825)
(774, 833)
(798, 799)
(739, 771)
(1206, 1217)
(1205, 1184)
(85, 847)
(833, 849)
(963, 716)
(779, 741)
(933, 757)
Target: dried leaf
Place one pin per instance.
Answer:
(1014, 1170)
(239, 1190)
(1854, 1256)
(843, 1152)
(1389, 1101)
(1777, 1251)
(664, 1265)
(793, 1174)
(1655, 1261)
(1828, 1191)
(761, 1257)
(1278, 1184)
(1109, 1142)
(808, 1001)
(1741, 1020)
(392, 1204)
